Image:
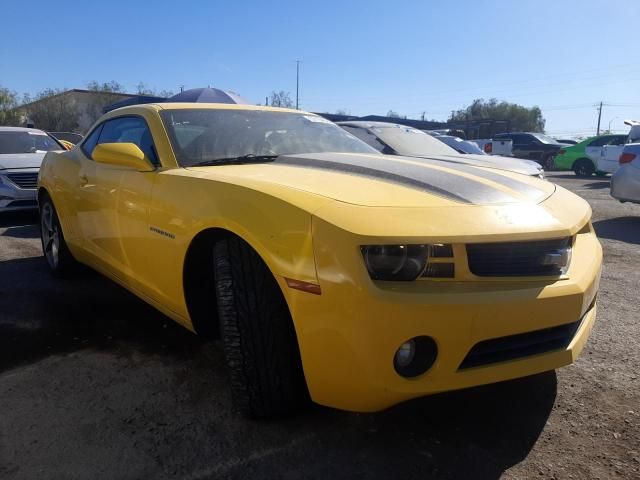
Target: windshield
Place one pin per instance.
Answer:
(544, 138)
(206, 135)
(27, 142)
(460, 145)
(412, 142)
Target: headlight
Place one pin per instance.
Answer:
(395, 262)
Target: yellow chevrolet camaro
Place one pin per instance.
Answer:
(327, 269)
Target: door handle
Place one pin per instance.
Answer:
(83, 180)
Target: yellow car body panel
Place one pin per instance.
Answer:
(308, 225)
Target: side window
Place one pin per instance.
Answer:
(599, 142)
(91, 141)
(129, 130)
(366, 136)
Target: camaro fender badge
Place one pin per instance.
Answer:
(162, 232)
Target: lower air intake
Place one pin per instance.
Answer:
(520, 345)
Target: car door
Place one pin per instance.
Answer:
(609, 153)
(113, 201)
(594, 149)
(520, 146)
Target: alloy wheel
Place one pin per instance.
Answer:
(50, 235)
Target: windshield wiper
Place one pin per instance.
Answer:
(244, 159)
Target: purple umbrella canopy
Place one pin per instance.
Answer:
(207, 95)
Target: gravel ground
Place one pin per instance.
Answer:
(96, 384)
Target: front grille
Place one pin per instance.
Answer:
(516, 259)
(520, 345)
(24, 180)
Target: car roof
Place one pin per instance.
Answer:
(204, 106)
(21, 129)
(364, 124)
(515, 133)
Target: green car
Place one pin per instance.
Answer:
(581, 157)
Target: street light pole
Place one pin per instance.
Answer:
(297, 83)
(610, 123)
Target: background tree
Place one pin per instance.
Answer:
(57, 114)
(8, 102)
(520, 118)
(281, 99)
(144, 90)
(342, 111)
(103, 96)
(393, 114)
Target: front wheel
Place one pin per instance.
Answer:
(583, 168)
(257, 332)
(54, 247)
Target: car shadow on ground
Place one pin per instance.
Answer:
(598, 185)
(13, 219)
(474, 433)
(22, 231)
(43, 316)
(624, 229)
(184, 419)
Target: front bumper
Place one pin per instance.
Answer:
(349, 334)
(625, 184)
(14, 198)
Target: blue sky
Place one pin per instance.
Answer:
(366, 57)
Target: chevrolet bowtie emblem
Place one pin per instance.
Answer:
(559, 258)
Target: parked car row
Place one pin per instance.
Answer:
(396, 139)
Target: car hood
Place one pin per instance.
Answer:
(498, 162)
(21, 160)
(384, 180)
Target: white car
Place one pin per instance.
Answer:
(625, 182)
(21, 153)
(607, 162)
(502, 146)
(396, 139)
(459, 145)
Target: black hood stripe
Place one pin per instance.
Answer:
(432, 180)
(371, 173)
(532, 193)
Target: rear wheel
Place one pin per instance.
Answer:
(54, 247)
(583, 167)
(257, 332)
(548, 163)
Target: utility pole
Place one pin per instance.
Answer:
(599, 116)
(422, 116)
(266, 101)
(297, 83)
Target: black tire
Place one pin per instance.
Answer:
(548, 163)
(54, 247)
(583, 167)
(257, 332)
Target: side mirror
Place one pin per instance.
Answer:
(127, 155)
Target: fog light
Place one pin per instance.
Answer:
(415, 356)
(405, 354)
